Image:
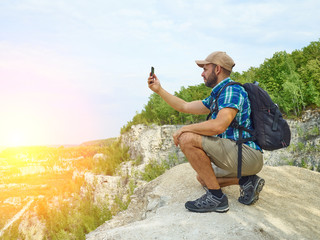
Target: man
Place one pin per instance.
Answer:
(210, 146)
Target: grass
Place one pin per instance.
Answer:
(74, 218)
(309, 134)
(304, 151)
(154, 169)
(68, 218)
(114, 154)
(7, 212)
(47, 184)
(13, 232)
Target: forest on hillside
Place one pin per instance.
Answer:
(291, 79)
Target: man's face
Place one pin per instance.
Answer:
(209, 76)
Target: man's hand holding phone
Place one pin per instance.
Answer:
(153, 81)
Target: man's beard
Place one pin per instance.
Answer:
(212, 80)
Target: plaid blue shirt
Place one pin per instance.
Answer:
(233, 96)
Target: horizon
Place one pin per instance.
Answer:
(2, 147)
(75, 71)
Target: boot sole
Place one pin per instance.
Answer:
(218, 210)
(258, 188)
(257, 191)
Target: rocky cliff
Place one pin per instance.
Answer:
(288, 208)
(152, 142)
(304, 150)
(289, 205)
(155, 142)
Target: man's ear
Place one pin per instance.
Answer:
(217, 69)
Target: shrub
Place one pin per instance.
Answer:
(116, 154)
(154, 169)
(74, 218)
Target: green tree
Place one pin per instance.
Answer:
(311, 75)
(292, 80)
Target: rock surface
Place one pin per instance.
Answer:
(288, 208)
(304, 148)
(152, 142)
(156, 143)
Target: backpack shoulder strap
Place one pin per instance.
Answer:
(216, 107)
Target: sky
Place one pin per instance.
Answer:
(75, 71)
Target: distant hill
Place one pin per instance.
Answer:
(100, 142)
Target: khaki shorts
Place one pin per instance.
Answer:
(223, 153)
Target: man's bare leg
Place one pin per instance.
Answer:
(191, 146)
(214, 199)
(223, 182)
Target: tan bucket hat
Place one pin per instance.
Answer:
(218, 58)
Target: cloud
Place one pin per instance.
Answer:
(94, 57)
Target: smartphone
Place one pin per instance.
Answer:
(152, 71)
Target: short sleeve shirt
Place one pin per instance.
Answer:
(234, 96)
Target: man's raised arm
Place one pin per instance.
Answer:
(194, 107)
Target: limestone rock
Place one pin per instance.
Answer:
(304, 146)
(105, 187)
(288, 208)
(151, 142)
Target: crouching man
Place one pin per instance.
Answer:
(210, 146)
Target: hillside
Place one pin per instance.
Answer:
(289, 205)
(288, 208)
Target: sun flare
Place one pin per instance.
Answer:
(21, 128)
(16, 139)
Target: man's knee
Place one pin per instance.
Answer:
(187, 140)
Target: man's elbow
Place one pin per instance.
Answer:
(217, 128)
(220, 129)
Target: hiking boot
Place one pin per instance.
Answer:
(208, 203)
(249, 192)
